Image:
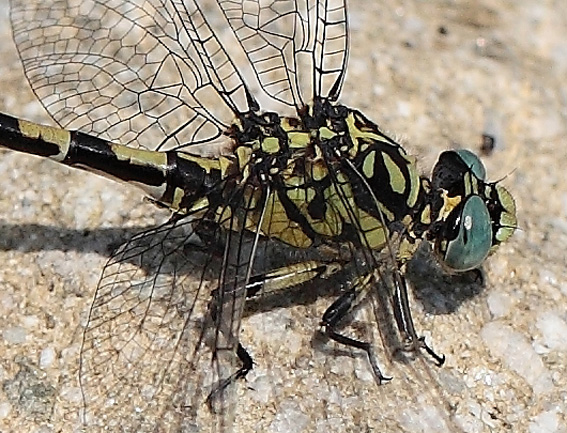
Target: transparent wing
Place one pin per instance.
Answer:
(298, 48)
(162, 337)
(144, 73)
(152, 351)
(140, 319)
(165, 74)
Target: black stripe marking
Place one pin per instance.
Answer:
(12, 138)
(88, 151)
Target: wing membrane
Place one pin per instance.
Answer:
(151, 351)
(154, 73)
(298, 48)
(133, 346)
(143, 73)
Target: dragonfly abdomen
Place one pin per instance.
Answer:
(176, 180)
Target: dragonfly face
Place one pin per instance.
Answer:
(294, 200)
(475, 217)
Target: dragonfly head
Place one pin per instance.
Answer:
(474, 216)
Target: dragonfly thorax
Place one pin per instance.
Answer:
(329, 175)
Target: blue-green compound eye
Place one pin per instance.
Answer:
(469, 236)
(473, 162)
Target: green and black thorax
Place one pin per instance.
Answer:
(329, 175)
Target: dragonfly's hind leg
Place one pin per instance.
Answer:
(247, 364)
(335, 314)
(271, 282)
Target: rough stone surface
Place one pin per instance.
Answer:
(436, 74)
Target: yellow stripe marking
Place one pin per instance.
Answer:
(425, 217)
(298, 140)
(358, 133)
(508, 218)
(140, 157)
(414, 180)
(319, 170)
(243, 153)
(271, 145)
(207, 164)
(224, 165)
(60, 137)
(397, 180)
(178, 195)
(368, 165)
(325, 133)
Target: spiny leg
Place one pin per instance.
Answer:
(404, 320)
(247, 364)
(270, 282)
(335, 314)
(338, 310)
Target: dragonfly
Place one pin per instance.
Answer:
(227, 113)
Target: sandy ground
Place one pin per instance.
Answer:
(435, 74)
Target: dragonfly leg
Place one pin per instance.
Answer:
(335, 314)
(270, 282)
(247, 364)
(404, 320)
